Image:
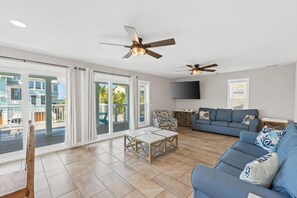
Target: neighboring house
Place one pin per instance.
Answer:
(11, 98)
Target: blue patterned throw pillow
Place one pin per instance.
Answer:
(269, 138)
(261, 171)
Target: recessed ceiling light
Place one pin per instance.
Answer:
(18, 23)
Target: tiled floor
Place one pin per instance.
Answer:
(104, 170)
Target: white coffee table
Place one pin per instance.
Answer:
(150, 142)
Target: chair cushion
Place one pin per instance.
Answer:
(212, 112)
(228, 169)
(269, 138)
(285, 180)
(238, 115)
(250, 149)
(219, 123)
(165, 123)
(238, 125)
(287, 143)
(236, 158)
(224, 115)
(203, 121)
(261, 171)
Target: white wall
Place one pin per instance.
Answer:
(272, 91)
(295, 114)
(159, 92)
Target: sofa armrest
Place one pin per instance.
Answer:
(254, 124)
(214, 183)
(248, 137)
(194, 117)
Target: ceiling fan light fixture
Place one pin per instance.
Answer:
(137, 51)
(196, 72)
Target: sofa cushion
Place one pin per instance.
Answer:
(269, 138)
(219, 123)
(224, 115)
(285, 180)
(238, 115)
(261, 171)
(201, 121)
(287, 143)
(228, 169)
(212, 112)
(250, 149)
(238, 125)
(236, 158)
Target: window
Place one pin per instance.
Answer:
(16, 93)
(238, 94)
(43, 85)
(54, 87)
(33, 99)
(143, 97)
(42, 100)
(37, 85)
(31, 84)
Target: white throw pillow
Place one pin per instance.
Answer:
(261, 171)
(204, 115)
(247, 119)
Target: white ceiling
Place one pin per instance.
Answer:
(236, 34)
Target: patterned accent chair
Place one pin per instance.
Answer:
(162, 120)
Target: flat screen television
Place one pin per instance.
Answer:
(185, 90)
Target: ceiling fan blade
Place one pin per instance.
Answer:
(101, 43)
(153, 54)
(208, 66)
(191, 66)
(131, 31)
(209, 70)
(160, 43)
(127, 55)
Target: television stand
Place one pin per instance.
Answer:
(183, 117)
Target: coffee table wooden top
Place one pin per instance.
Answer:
(135, 133)
(166, 133)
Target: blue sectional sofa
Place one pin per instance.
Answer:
(225, 121)
(223, 180)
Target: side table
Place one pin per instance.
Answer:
(275, 123)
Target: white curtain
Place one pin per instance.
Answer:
(87, 93)
(71, 132)
(133, 102)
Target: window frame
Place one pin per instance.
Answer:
(13, 93)
(147, 121)
(229, 96)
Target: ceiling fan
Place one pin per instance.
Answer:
(138, 48)
(196, 69)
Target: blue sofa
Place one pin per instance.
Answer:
(223, 180)
(225, 121)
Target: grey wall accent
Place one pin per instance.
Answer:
(159, 91)
(271, 90)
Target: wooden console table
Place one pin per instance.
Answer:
(275, 123)
(183, 117)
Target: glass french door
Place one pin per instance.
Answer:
(102, 107)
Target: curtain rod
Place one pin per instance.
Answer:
(33, 61)
(59, 65)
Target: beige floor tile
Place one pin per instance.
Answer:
(135, 194)
(73, 194)
(145, 185)
(166, 194)
(88, 158)
(104, 194)
(38, 167)
(79, 150)
(107, 158)
(145, 169)
(186, 179)
(117, 185)
(77, 169)
(44, 194)
(100, 170)
(52, 157)
(54, 168)
(172, 185)
(122, 169)
(191, 195)
(40, 182)
(68, 157)
(61, 184)
(89, 185)
(184, 167)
